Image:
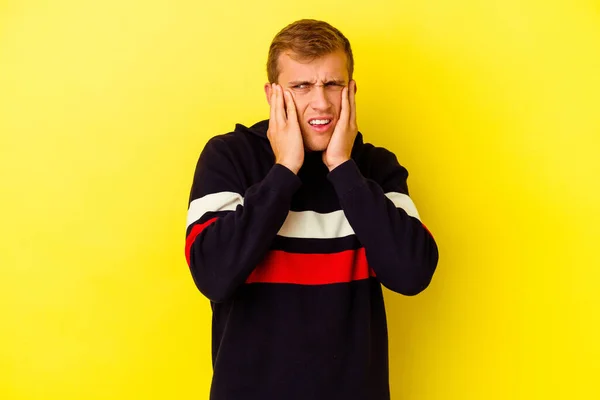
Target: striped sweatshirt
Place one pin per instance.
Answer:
(293, 267)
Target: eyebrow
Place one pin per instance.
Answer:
(335, 81)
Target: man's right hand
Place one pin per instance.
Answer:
(284, 132)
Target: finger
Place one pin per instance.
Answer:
(291, 108)
(279, 111)
(272, 104)
(345, 113)
(352, 102)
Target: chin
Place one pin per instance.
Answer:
(320, 144)
(316, 142)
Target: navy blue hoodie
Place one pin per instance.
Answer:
(293, 266)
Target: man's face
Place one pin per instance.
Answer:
(316, 87)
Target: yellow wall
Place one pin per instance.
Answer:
(493, 106)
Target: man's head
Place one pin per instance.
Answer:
(313, 60)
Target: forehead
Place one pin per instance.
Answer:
(330, 66)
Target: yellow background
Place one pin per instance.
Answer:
(493, 106)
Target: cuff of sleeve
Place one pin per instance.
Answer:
(345, 177)
(283, 181)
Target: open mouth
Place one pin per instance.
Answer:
(320, 124)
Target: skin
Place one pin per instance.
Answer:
(305, 90)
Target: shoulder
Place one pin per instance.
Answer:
(221, 166)
(216, 152)
(242, 155)
(377, 162)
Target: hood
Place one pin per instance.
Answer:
(259, 129)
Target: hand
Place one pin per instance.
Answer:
(339, 149)
(284, 133)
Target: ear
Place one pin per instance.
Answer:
(268, 89)
(355, 87)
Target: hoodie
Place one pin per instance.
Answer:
(293, 266)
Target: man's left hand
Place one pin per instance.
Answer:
(340, 146)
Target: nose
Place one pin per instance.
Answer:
(319, 99)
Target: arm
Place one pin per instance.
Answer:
(230, 230)
(399, 248)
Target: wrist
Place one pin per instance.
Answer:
(292, 167)
(336, 163)
(346, 178)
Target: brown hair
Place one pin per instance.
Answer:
(308, 39)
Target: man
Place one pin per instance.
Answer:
(293, 225)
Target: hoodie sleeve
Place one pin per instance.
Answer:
(229, 227)
(399, 248)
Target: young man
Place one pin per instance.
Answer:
(293, 225)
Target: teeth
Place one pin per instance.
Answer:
(319, 121)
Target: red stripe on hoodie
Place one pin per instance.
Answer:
(312, 269)
(196, 230)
